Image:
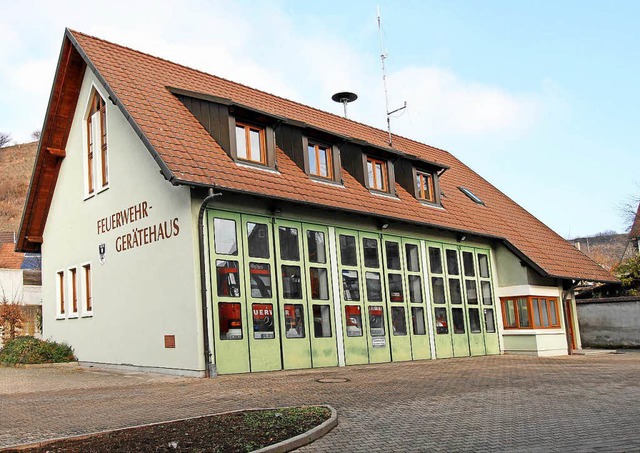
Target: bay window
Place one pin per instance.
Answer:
(530, 312)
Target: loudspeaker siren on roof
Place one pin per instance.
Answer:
(344, 97)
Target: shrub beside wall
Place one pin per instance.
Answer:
(29, 350)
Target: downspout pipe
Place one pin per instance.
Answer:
(208, 368)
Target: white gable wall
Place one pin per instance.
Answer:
(140, 294)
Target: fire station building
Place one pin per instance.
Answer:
(197, 226)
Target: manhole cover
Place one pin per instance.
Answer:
(332, 380)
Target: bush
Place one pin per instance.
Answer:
(29, 350)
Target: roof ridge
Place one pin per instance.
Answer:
(338, 117)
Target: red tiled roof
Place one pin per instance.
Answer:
(10, 259)
(139, 82)
(634, 233)
(7, 236)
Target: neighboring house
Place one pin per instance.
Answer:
(194, 225)
(21, 282)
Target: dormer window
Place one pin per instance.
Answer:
(320, 160)
(425, 187)
(96, 159)
(377, 174)
(251, 143)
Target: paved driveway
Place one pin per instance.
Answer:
(579, 403)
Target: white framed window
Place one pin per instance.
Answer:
(96, 157)
(87, 290)
(61, 303)
(72, 292)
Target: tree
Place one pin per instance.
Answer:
(629, 208)
(11, 319)
(629, 273)
(5, 139)
(11, 316)
(36, 134)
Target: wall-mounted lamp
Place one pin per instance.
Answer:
(461, 238)
(384, 226)
(276, 211)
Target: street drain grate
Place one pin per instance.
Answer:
(332, 380)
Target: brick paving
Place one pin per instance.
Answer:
(504, 403)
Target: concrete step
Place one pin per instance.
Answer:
(588, 351)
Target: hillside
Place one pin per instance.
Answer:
(16, 164)
(606, 249)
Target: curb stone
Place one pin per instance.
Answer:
(304, 438)
(281, 447)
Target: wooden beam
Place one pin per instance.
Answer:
(34, 239)
(57, 152)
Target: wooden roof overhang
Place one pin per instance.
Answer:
(63, 99)
(51, 149)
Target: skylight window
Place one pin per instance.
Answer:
(471, 195)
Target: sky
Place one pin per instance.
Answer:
(540, 98)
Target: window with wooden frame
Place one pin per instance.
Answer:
(530, 312)
(425, 187)
(251, 143)
(320, 160)
(60, 302)
(377, 174)
(73, 291)
(97, 162)
(87, 310)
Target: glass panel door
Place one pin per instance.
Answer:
(372, 266)
(398, 296)
(259, 288)
(486, 298)
(416, 300)
(441, 307)
(324, 350)
(230, 317)
(472, 301)
(459, 332)
(356, 350)
(293, 293)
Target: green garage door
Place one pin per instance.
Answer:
(246, 336)
(398, 298)
(491, 341)
(324, 350)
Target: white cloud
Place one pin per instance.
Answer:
(32, 77)
(443, 103)
(262, 46)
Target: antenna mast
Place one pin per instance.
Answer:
(383, 56)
